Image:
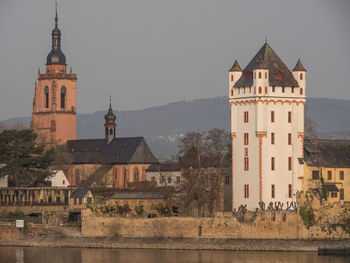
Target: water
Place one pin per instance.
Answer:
(87, 255)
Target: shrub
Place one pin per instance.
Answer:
(307, 216)
(139, 210)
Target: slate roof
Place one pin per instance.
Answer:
(328, 153)
(235, 67)
(299, 66)
(331, 188)
(138, 195)
(164, 167)
(273, 63)
(119, 151)
(79, 193)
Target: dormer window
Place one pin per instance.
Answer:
(247, 75)
(278, 75)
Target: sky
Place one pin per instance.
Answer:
(149, 53)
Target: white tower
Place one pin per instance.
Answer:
(267, 129)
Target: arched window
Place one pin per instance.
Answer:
(136, 174)
(63, 97)
(46, 91)
(301, 76)
(125, 177)
(259, 75)
(231, 92)
(260, 90)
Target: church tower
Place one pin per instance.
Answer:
(54, 104)
(110, 124)
(267, 130)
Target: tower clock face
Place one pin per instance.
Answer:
(63, 90)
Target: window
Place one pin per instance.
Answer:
(272, 163)
(63, 97)
(227, 179)
(315, 175)
(265, 75)
(246, 138)
(341, 175)
(290, 191)
(231, 92)
(273, 88)
(301, 76)
(334, 194)
(292, 89)
(260, 90)
(136, 174)
(272, 138)
(301, 91)
(341, 193)
(125, 177)
(289, 116)
(283, 89)
(169, 180)
(247, 75)
(289, 163)
(266, 90)
(272, 191)
(272, 116)
(178, 179)
(329, 175)
(231, 77)
(246, 164)
(46, 91)
(115, 177)
(245, 151)
(245, 117)
(246, 191)
(75, 201)
(63, 182)
(289, 139)
(259, 75)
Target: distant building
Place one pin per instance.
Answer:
(54, 103)
(267, 129)
(80, 198)
(109, 162)
(329, 159)
(58, 179)
(164, 174)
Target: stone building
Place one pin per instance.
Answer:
(54, 103)
(164, 174)
(330, 160)
(267, 129)
(109, 162)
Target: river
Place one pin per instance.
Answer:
(87, 255)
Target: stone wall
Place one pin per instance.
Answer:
(265, 225)
(8, 231)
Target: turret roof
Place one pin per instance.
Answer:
(299, 66)
(272, 62)
(235, 67)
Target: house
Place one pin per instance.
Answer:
(58, 179)
(329, 160)
(164, 174)
(80, 198)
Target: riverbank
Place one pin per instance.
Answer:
(179, 243)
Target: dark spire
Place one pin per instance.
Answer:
(235, 67)
(56, 55)
(110, 123)
(299, 66)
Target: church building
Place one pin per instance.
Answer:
(54, 104)
(267, 128)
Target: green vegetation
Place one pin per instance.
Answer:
(139, 210)
(16, 214)
(163, 210)
(344, 219)
(26, 162)
(324, 193)
(307, 216)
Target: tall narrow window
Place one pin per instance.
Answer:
(246, 191)
(46, 91)
(301, 76)
(273, 88)
(289, 139)
(272, 116)
(260, 90)
(301, 91)
(272, 163)
(283, 89)
(259, 75)
(245, 117)
(246, 138)
(289, 163)
(136, 174)
(231, 92)
(63, 97)
(265, 75)
(289, 116)
(273, 191)
(272, 138)
(125, 177)
(329, 175)
(231, 77)
(290, 191)
(246, 163)
(341, 175)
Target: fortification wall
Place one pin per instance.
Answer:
(266, 225)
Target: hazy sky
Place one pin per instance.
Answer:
(147, 53)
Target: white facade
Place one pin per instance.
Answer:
(58, 179)
(164, 178)
(267, 130)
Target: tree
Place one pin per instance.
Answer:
(26, 162)
(204, 158)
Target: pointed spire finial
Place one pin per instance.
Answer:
(265, 38)
(56, 18)
(110, 101)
